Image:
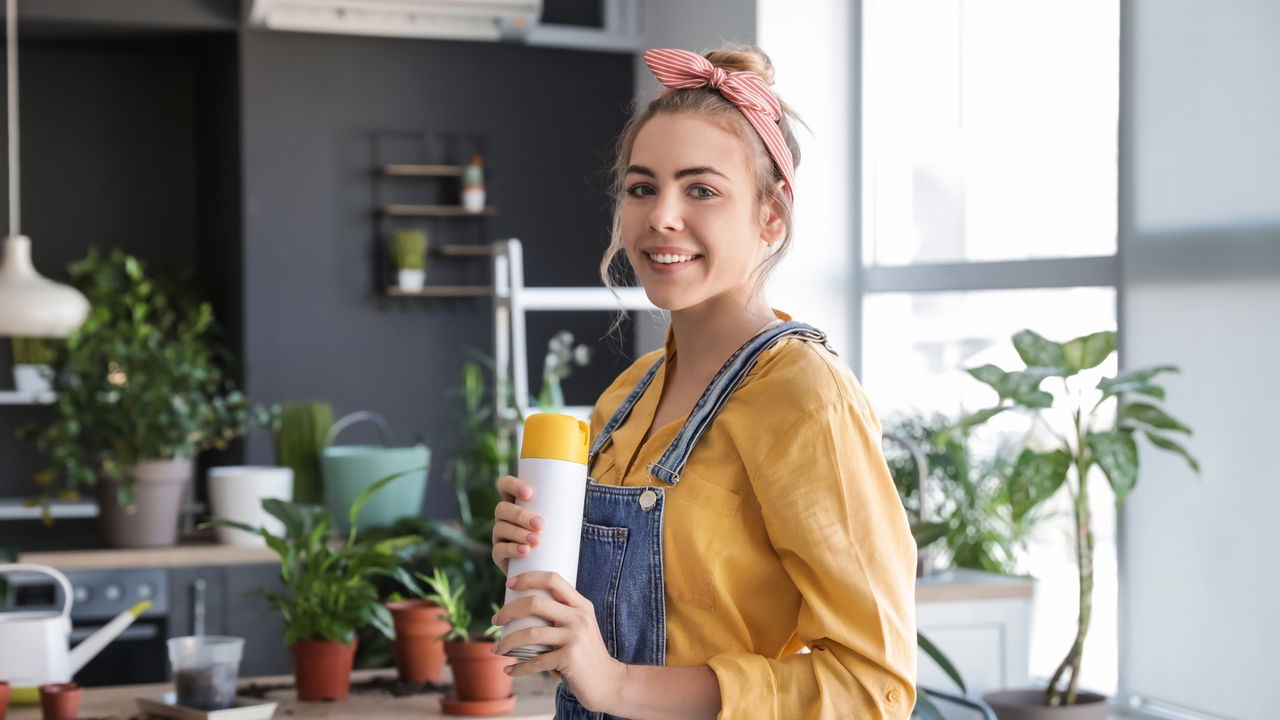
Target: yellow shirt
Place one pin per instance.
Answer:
(784, 532)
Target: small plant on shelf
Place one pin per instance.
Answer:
(409, 252)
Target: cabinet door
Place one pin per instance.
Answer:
(196, 594)
(251, 617)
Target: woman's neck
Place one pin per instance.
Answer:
(708, 333)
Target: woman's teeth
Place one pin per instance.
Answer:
(668, 259)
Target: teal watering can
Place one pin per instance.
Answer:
(347, 470)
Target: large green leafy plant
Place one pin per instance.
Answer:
(141, 379)
(329, 589)
(1099, 436)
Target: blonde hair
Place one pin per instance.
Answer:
(711, 105)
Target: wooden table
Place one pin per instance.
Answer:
(535, 700)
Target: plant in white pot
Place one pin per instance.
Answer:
(1102, 436)
(140, 390)
(409, 251)
(32, 364)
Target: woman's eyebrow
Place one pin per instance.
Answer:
(701, 170)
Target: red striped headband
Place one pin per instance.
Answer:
(681, 70)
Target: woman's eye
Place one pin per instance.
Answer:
(640, 190)
(702, 192)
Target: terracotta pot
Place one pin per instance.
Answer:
(322, 669)
(157, 498)
(1029, 705)
(4, 698)
(60, 701)
(419, 644)
(477, 672)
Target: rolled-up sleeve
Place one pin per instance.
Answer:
(835, 520)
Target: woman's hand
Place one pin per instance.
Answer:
(578, 650)
(515, 530)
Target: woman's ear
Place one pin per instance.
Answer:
(773, 226)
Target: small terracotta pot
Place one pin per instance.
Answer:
(477, 672)
(322, 669)
(1029, 705)
(60, 701)
(419, 647)
(4, 698)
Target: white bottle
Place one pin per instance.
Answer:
(553, 460)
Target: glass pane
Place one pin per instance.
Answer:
(916, 347)
(989, 129)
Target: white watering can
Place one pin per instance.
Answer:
(34, 644)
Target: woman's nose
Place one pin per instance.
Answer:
(666, 214)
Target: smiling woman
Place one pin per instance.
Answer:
(739, 509)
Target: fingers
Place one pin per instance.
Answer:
(512, 488)
(552, 636)
(516, 515)
(553, 611)
(559, 588)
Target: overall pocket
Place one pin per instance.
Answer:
(599, 574)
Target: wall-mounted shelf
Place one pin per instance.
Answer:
(13, 397)
(434, 210)
(464, 250)
(408, 170)
(444, 291)
(16, 509)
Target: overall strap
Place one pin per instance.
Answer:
(623, 411)
(730, 376)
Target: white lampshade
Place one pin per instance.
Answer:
(32, 305)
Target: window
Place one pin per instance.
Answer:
(988, 205)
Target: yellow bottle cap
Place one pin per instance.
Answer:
(555, 437)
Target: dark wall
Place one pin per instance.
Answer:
(247, 156)
(314, 327)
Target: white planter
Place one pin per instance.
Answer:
(411, 280)
(33, 378)
(236, 493)
(473, 200)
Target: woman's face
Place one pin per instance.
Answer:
(690, 222)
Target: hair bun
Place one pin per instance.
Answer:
(739, 58)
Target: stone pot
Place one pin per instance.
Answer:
(1029, 705)
(157, 497)
(419, 644)
(322, 669)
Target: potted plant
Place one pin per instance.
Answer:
(409, 252)
(987, 514)
(481, 687)
(32, 365)
(1100, 436)
(329, 591)
(140, 390)
(562, 355)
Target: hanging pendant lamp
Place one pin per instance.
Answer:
(30, 304)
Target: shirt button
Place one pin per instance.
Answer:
(893, 696)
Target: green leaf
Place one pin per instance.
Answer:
(943, 662)
(1035, 478)
(1117, 455)
(1131, 380)
(926, 534)
(1153, 416)
(925, 709)
(368, 492)
(1165, 443)
(1089, 351)
(1036, 350)
(988, 374)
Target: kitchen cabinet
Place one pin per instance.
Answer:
(251, 617)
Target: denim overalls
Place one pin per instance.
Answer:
(620, 565)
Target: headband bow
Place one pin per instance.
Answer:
(682, 70)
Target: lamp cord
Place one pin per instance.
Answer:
(11, 66)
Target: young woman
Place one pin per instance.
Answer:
(740, 509)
